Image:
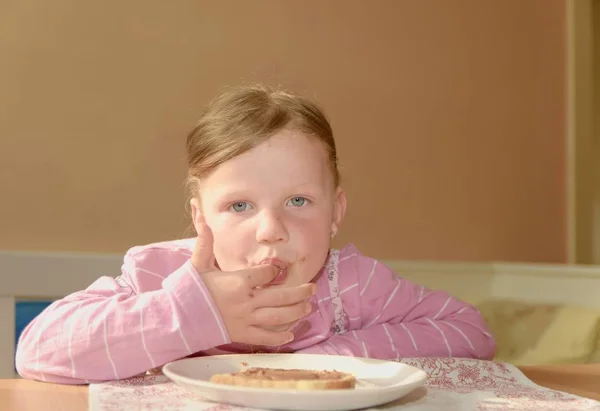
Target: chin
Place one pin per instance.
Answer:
(303, 279)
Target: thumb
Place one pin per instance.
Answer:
(203, 257)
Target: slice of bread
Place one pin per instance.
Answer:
(294, 379)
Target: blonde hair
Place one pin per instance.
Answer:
(243, 117)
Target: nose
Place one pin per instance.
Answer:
(271, 229)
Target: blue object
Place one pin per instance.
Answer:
(25, 312)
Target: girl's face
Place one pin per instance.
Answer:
(275, 204)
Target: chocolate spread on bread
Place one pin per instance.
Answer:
(291, 379)
(289, 374)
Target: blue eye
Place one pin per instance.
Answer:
(297, 201)
(239, 206)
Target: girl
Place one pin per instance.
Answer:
(260, 275)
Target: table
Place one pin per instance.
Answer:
(24, 395)
(28, 395)
(578, 379)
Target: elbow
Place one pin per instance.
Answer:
(480, 346)
(31, 365)
(486, 343)
(25, 361)
(30, 368)
(26, 356)
(487, 351)
(481, 342)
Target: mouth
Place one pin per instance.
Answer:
(283, 269)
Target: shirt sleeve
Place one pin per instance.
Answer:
(110, 332)
(401, 319)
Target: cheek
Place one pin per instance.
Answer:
(311, 264)
(223, 227)
(313, 229)
(231, 243)
(312, 242)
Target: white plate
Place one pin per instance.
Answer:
(379, 381)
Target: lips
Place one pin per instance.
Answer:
(283, 269)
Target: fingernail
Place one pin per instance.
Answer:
(290, 338)
(301, 328)
(308, 309)
(313, 290)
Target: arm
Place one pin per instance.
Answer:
(109, 332)
(399, 319)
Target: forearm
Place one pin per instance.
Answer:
(106, 335)
(419, 338)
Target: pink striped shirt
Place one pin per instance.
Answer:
(158, 310)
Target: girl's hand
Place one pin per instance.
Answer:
(253, 314)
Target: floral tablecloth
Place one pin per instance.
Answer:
(454, 384)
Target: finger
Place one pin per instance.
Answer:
(278, 296)
(259, 336)
(298, 327)
(203, 255)
(273, 316)
(281, 327)
(260, 275)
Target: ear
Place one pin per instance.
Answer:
(197, 216)
(339, 211)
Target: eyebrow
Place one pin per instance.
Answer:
(227, 193)
(240, 193)
(310, 185)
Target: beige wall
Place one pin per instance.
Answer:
(449, 117)
(595, 183)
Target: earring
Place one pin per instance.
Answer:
(332, 233)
